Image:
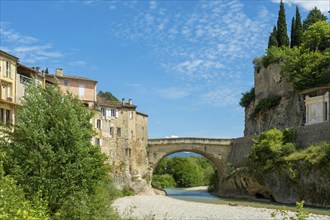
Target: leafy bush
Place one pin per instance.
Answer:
(163, 181)
(300, 214)
(127, 191)
(266, 104)
(269, 150)
(247, 98)
(289, 136)
(274, 54)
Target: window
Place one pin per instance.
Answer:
(81, 90)
(7, 117)
(132, 134)
(7, 90)
(24, 79)
(7, 72)
(98, 124)
(113, 112)
(97, 142)
(66, 83)
(2, 115)
(128, 152)
(104, 112)
(131, 115)
(119, 132)
(111, 131)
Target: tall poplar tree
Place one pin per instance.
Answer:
(282, 33)
(292, 42)
(298, 29)
(314, 16)
(272, 41)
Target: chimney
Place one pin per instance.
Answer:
(59, 72)
(43, 73)
(38, 69)
(122, 101)
(130, 101)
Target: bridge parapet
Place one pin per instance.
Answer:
(188, 140)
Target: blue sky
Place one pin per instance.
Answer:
(184, 63)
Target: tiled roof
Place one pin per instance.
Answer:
(104, 102)
(50, 76)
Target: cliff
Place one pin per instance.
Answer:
(269, 82)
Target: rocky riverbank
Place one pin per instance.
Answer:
(162, 207)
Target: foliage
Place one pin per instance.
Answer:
(293, 23)
(314, 16)
(186, 172)
(282, 33)
(315, 155)
(274, 54)
(272, 40)
(247, 98)
(317, 37)
(50, 153)
(300, 213)
(306, 69)
(289, 136)
(257, 62)
(14, 205)
(163, 181)
(127, 191)
(266, 104)
(268, 151)
(108, 96)
(298, 30)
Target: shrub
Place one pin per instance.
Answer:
(257, 62)
(247, 98)
(274, 54)
(266, 104)
(163, 181)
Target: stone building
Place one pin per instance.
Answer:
(82, 87)
(122, 134)
(317, 103)
(8, 67)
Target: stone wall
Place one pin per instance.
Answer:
(312, 134)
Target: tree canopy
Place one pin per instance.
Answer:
(282, 33)
(50, 154)
(314, 16)
(108, 96)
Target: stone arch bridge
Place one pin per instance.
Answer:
(216, 150)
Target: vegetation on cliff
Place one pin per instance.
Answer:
(183, 172)
(247, 98)
(50, 162)
(108, 96)
(274, 152)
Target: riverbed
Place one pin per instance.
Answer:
(165, 207)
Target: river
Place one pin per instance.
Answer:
(200, 194)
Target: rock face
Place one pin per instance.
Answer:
(311, 184)
(288, 113)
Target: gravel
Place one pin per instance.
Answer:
(162, 207)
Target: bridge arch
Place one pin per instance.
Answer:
(215, 150)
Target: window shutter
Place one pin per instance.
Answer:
(117, 113)
(95, 123)
(100, 142)
(101, 124)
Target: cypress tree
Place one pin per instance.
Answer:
(272, 41)
(293, 42)
(314, 16)
(298, 29)
(282, 33)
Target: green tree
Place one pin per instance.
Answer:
(317, 37)
(298, 29)
(108, 96)
(282, 33)
(272, 41)
(314, 16)
(292, 42)
(50, 153)
(46, 71)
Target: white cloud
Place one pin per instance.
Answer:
(174, 93)
(308, 5)
(27, 48)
